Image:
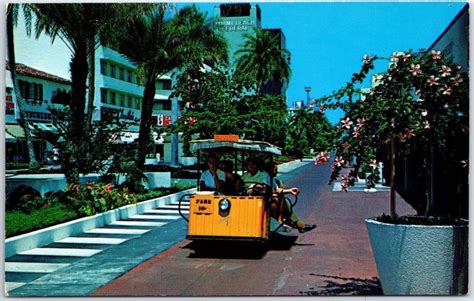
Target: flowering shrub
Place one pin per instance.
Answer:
(90, 199)
(421, 99)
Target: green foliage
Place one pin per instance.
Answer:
(261, 59)
(91, 199)
(9, 166)
(17, 222)
(420, 104)
(308, 130)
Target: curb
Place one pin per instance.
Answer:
(42, 237)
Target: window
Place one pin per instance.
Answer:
(122, 74)
(165, 84)
(103, 95)
(167, 106)
(112, 71)
(129, 76)
(103, 67)
(122, 100)
(32, 91)
(129, 101)
(112, 97)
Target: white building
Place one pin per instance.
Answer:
(41, 92)
(454, 40)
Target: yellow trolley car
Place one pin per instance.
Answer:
(242, 217)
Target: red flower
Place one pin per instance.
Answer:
(409, 133)
(446, 90)
(339, 161)
(456, 80)
(445, 71)
(108, 187)
(373, 164)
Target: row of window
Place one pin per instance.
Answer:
(31, 91)
(118, 72)
(38, 115)
(120, 99)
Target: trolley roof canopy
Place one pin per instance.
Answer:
(234, 142)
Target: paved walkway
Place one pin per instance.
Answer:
(334, 259)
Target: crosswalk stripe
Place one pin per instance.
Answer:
(61, 252)
(155, 217)
(117, 231)
(174, 206)
(33, 267)
(93, 240)
(137, 223)
(168, 211)
(9, 286)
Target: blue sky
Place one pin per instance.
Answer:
(327, 39)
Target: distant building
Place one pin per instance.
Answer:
(238, 20)
(454, 40)
(41, 91)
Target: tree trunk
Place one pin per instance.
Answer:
(174, 136)
(33, 163)
(79, 71)
(392, 180)
(91, 95)
(145, 123)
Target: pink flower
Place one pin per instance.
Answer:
(346, 123)
(373, 163)
(445, 71)
(456, 80)
(424, 113)
(345, 183)
(426, 124)
(465, 163)
(321, 109)
(339, 161)
(395, 56)
(409, 133)
(108, 187)
(392, 123)
(435, 55)
(360, 122)
(323, 157)
(366, 58)
(446, 90)
(415, 69)
(433, 80)
(406, 57)
(356, 133)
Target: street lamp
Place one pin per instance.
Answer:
(307, 90)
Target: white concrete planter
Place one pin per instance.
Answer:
(151, 161)
(158, 179)
(187, 161)
(420, 260)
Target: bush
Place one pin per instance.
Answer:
(16, 166)
(24, 198)
(17, 222)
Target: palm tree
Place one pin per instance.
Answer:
(263, 59)
(158, 44)
(12, 18)
(79, 26)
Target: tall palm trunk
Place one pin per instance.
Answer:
(91, 95)
(79, 71)
(145, 122)
(33, 163)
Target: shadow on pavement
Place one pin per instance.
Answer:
(239, 249)
(342, 286)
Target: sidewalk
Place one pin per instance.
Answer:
(340, 259)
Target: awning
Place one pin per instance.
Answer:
(258, 146)
(16, 131)
(9, 138)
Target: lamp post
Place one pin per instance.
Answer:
(307, 90)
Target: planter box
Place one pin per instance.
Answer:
(420, 260)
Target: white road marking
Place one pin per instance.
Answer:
(134, 223)
(155, 217)
(176, 212)
(117, 231)
(93, 240)
(61, 252)
(33, 267)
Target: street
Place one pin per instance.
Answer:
(333, 259)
